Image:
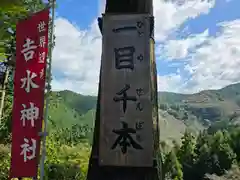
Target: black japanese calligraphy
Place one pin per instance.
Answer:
(124, 97)
(139, 26)
(139, 125)
(139, 92)
(124, 28)
(124, 57)
(125, 139)
(129, 28)
(139, 106)
(140, 33)
(140, 58)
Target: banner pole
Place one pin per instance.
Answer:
(48, 87)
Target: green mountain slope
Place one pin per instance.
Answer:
(82, 104)
(177, 111)
(68, 108)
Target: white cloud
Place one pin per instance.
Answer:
(170, 82)
(169, 16)
(77, 54)
(216, 64)
(76, 57)
(179, 49)
(213, 65)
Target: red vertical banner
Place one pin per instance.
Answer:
(29, 86)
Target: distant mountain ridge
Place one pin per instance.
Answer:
(212, 105)
(177, 111)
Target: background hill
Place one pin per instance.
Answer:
(176, 111)
(206, 106)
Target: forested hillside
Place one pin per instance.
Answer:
(206, 106)
(177, 111)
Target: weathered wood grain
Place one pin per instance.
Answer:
(113, 80)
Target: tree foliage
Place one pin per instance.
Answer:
(213, 154)
(10, 13)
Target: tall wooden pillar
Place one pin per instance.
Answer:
(128, 70)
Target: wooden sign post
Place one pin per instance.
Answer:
(126, 135)
(126, 127)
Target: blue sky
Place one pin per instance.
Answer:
(177, 71)
(223, 11)
(85, 11)
(81, 12)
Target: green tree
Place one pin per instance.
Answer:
(218, 125)
(203, 162)
(222, 152)
(186, 155)
(235, 142)
(5, 126)
(4, 161)
(172, 169)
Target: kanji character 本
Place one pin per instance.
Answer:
(124, 57)
(41, 26)
(42, 41)
(124, 97)
(29, 114)
(28, 50)
(27, 82)
(27, 149)
(42, 56)
(125, 139)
